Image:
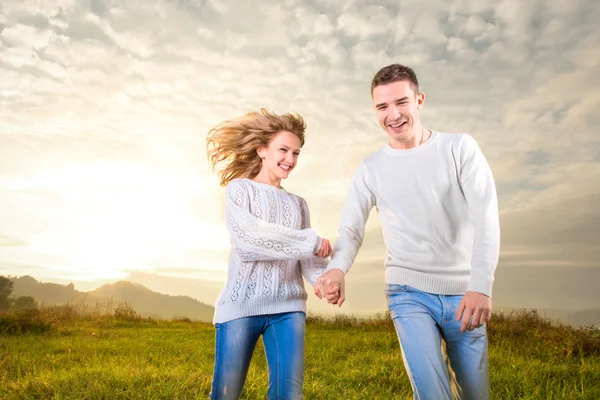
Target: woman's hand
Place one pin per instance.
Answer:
(325, 250)
(331, 285)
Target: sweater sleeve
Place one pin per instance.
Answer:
(477, 183)
(258, 240)
(359, 202)
(313, 266)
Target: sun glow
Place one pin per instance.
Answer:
(125, 217)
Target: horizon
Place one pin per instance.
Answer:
(145, 304)
(555, 312)
(103, 170)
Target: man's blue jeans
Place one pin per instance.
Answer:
(422, 321)
(283, 338)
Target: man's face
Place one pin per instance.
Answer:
(397, 107)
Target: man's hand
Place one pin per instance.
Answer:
(475, 309)
(331, 285)
(325, 250)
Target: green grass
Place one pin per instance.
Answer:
(72, 355)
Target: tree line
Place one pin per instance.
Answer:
(21, 302)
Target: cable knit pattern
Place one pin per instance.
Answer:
(273, 246)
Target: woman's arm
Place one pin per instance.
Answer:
(314, 266)
(258, 240)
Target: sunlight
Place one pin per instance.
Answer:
(99, 276)
(126, 217)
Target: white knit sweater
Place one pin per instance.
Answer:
(438, 208)
(272, 246)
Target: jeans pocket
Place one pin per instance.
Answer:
(392, 288)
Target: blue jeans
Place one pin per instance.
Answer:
(422, 321)
(283, 338)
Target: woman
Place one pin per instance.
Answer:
(272, 247)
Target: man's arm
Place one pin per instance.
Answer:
(478, 186)
(359, 202)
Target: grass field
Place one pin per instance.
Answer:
(67, 355)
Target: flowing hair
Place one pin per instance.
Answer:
(231, 146)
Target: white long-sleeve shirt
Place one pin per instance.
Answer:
(272, 247)
(438, 208)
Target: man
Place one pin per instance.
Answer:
(437, 204)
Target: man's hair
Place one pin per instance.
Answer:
(394, 73)
(231, 145)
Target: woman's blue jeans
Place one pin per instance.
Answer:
(283, 338)
(422, 321)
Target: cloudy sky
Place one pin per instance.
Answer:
(105, 106)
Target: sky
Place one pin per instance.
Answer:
(105, 106)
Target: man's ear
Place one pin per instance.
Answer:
(420, 100)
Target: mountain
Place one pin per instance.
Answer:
(577, 319)
(147, 302)
(47, 293)
(144, 301)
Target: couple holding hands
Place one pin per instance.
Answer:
(437, 203)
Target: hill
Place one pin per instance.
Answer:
(47, 293)
(149, 303)
(584, 318)
(144, 301)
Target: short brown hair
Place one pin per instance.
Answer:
(394, 73)
(232, 145)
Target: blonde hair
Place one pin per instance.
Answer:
(231, 146)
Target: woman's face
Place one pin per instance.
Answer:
(281, 155)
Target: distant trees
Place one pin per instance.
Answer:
(20, 303)
(6, 288)
(25, 303)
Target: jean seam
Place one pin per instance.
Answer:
(217, 358)
(410, 372)
(276, 359)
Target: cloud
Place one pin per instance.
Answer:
(100, 85)
(560, 224)
(9, 241)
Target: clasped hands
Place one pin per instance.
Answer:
(331, 284)
(474, 310)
